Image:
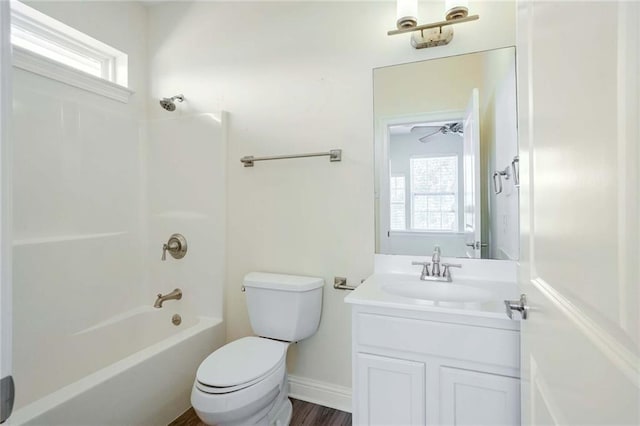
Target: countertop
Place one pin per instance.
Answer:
(370, 293)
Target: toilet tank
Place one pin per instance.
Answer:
(283, 307)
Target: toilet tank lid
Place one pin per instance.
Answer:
(282, 281)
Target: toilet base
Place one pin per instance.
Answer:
(280, 413)
(283, 417)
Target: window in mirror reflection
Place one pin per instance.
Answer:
(434, 191)
(398, 205)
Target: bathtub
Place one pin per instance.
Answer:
(136, 368)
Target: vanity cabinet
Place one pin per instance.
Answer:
(425, 368)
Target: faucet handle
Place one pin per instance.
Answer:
(447, 269)
(423, 264)
(176, 246)
(425, 268)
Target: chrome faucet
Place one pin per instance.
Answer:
(436, 274)
(435, 259)
(174, 295)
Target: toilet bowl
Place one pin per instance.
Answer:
(240, 383)
(245, 381)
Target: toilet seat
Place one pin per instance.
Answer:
(230, 389)
(241, 404)
(240, 364)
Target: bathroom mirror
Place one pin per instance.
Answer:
(446, 156)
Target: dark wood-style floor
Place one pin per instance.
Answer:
(304, 413)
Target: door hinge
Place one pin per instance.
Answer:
(7, 393)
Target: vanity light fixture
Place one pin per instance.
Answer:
(435, 33)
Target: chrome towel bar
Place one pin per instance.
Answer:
(334, 155)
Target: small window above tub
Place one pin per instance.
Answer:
(45, 46)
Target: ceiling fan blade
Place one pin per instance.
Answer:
(421, 128)
(425, 138)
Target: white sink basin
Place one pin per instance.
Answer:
(438, 291)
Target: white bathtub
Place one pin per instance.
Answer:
(136, 368)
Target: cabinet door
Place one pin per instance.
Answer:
(389, 391)
(474, 398)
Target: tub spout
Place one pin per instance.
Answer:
(175, 294)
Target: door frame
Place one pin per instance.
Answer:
(5, 206)
(381, 165)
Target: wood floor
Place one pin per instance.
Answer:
(304, 413)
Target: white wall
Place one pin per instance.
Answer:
(297, 77)
(77, 208)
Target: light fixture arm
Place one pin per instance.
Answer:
(434, 25)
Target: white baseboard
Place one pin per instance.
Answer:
(321, 393)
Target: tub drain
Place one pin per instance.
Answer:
(176, 319)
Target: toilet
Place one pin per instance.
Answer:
(245, 381)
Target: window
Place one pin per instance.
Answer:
(36, 43)
(434, 193)
(398, 205)
(48, 47)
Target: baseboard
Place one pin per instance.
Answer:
(321, 393)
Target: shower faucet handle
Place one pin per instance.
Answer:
(171, 246)
(176, 246)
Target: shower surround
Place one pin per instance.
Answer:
(98, 188)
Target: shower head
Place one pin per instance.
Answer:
(169, 104)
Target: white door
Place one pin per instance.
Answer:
(6, 382)
(471, 164)
(579, 264)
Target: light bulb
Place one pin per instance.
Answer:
(456, 9)
(407, 13)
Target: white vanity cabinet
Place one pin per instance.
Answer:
(434, 368)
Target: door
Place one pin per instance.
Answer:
(474, 398)
(6, 382)
(578, 133)
(390, 391)
(471, 164)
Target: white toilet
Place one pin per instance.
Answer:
(245, 381)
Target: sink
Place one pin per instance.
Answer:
(438, 292)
